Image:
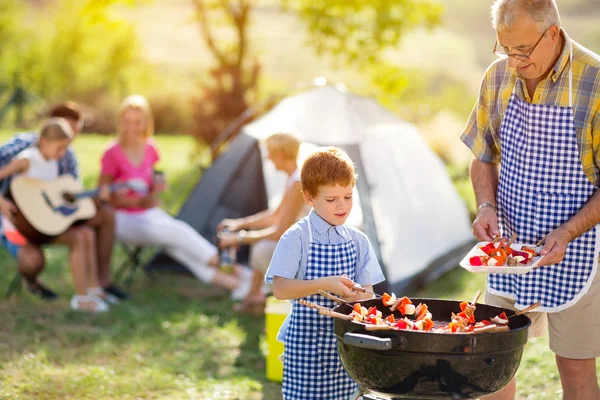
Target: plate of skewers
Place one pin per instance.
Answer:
(502, 256)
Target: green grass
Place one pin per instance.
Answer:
(176, 338)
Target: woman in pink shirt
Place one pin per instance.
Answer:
(139, 220)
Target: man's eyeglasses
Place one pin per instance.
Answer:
(505, 51)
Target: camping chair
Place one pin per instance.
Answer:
(133, 261)
(15, 285)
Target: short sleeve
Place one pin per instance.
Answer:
(109, 164)
(287, 256)
(478, 134)
(368, 270)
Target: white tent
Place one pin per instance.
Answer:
(408, 204)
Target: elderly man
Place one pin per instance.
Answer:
(30, 258)
(535, 136)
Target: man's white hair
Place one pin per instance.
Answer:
(542, 12)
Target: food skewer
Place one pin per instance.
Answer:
(312, 305)
(512, 240)
(363, 290)
(523, 311)
(332, 297)
(329, 313)
(477, 295)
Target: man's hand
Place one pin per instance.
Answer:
(340, 285)
(7, 208)
(485, 226)
(555, 246)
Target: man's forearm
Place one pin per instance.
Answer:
(585, 219)
(484, 177)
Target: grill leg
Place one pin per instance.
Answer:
(357, 394)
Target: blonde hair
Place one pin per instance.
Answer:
(56, 128)
(286, 144)
(326, 167)
(136, 102)
(542, 12)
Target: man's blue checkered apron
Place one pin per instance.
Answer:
(542, 185)
(312, 369)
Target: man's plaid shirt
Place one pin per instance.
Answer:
(482, 132)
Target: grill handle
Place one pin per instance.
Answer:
(367, 341)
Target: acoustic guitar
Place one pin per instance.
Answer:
(46, 209)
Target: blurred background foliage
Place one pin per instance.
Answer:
(203, 62)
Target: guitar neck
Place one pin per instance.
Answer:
(95, 192)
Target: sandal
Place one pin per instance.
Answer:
(256, 308)
(97, 304)
(101, 293)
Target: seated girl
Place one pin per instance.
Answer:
(40, 162)
(139, 219)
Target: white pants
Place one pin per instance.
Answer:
(154, 227)
(261, 254)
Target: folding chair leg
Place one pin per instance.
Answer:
(121, 270)
(15, 285)
(131, 273)
(130, 266)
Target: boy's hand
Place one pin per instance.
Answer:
(340, 285)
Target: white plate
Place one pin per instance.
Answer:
(522, 269)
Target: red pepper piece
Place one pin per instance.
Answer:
(428, 324)
(423, 312)
(503, 315)
(401, 324)
(527, 256)
(385, 298)
(463, 305)
(476, 261)
(488, 248)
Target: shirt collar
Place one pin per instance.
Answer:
(321, 226)
(563, 59)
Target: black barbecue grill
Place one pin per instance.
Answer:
(398, 364)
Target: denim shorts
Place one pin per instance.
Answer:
(12, 248)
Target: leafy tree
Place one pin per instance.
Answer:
(76, 49)
(356, 32)
(88, 49)
(235, 75)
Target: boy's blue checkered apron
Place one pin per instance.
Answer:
(542, 185)
(312, 369)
